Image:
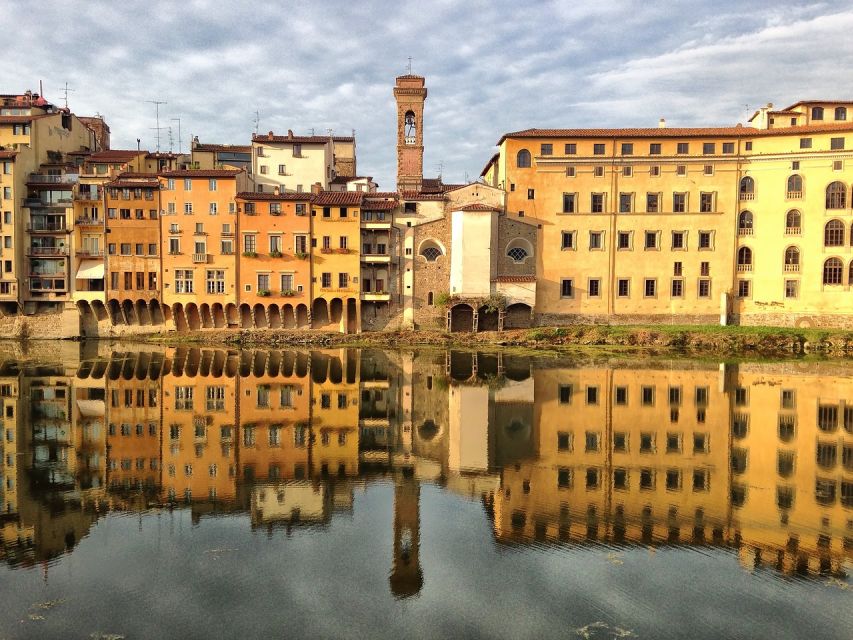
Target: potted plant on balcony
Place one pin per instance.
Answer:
(250, 254)
(326, 250)
(288, 293)
(302, 255)
(264, 293)
(275, 254)
(342, 250)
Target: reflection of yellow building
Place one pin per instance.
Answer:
(133, 433)
(334, 412)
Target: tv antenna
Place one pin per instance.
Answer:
(158, 128)
(171, 141)
(65, 94)
(257, 120)
(180, 141)
(409, 66)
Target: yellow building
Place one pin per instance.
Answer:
(297, 163)
(688, 225)
(335, 412)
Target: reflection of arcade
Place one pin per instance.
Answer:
(755, 457)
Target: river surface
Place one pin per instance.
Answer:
(422, 494)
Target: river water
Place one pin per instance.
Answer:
(420, 494)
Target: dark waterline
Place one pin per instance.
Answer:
(206, 493)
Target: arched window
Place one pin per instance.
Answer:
(519, 250)
(411, 128)
(431, 250)
(744, 259)
(836, 195)
(833, 234)
(817, 113)
(792, 259)
(833, 271)
(841, 113)
(793, 222)
(795, 186)
(744, 223)
(747, 188)
(522, 160)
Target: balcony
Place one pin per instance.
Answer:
(794, 195)
(792, 231)
(89, 222)
(375, 296)
(46, 283)
(747, 195)
(89, 253)
(375, 257)
(227, 234)
(744, 268)
(201, 258)
(792, 268)
(47, 251)
(43, 178)
(47, 228)
(744, 231)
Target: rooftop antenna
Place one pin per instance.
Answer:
(157, 104)
(409, 66)
(257, 120)
(330, 132)
(312, 132)
(65, 92)
(170, 139)
(747, 111)
(180, 141)
(440, 168)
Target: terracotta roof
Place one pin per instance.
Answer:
(134, 183)
(8, 155)
(346, 179)
(674, 132)
(201, 173)
(419, 195)
(343, 198)
(515, 279)
(130, 175)
(477, 206)
(491, 161)
(382, 194)
(270, 137)
(252, 195)
(378, 205)
(235, 148)
(114, 155)
(797, 104)
(23, 119)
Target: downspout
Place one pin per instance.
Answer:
(614, 186)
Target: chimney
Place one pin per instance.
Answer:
(270, 134)
(276, 191)
(316, 188)
(662, 123)
(290, 133)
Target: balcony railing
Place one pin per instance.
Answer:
(48, 251)
(794, 195)
(744, 267)
(89, 253)
(43, 178)
(47, 228)
(744, 231)
(792, 231)
(89, 222)
(789, 268)
(747, 195)
(200, 258)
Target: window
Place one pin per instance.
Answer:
(708, 170)
(650, 286)
(594, 288)
(623, 287)
(596, 240)
(744, 223)
(250, 243)
(683, 148)
(522, 159)
(627, 172)
(597, 203)
(623, 240)
(598, 171)
(679, 202)
(570, 172)
(125, 248)
(568, 240)
(431, 251)
(677, 269)
(706, 202)
(833, 271)
(654, 171)
(546, 149)
(836, 196)
(326, 280)
(747, 188)
(343, 280)
(174, 246)
(679, 240)
(598, 149)
(625, 202)
(805, 143)
(531, 194)
(571, 149)
(704, 289)
(621, 399)
(627, 149)
(569, 203)
(817, 113)
(709, 148)
(654, 149)
(516, 252)
(183, 281)
(565, 393)
(677, 289)
(652, 202)
(706, 240)
(833, 234)
(567, 288)
(744, 259)
(836, 143)
(652, 240)
(681, 170)
(215, 281)
(211, 184)
(795, 187)
(728, 147)
(841, 113)
(743, 288)
(264, 169)
(287, 282)
(792, 259)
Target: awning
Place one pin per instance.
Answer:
(91, 408)
(91, 270)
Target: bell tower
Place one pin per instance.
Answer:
(410, 94)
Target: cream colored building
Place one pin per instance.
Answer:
(296, 163)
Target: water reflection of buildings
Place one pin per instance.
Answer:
(754, 457)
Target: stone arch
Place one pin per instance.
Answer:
(206, 316)
(302, 363)
(168, 317)
(206, 363)
(100, 369)
(181, 323)
(288, 318)
(260, 316)
(218, 364)
(193, 316)
(519, 250)
(142, 314)
(246, 316)
(352, 316)
(193, 361)
(288, 362)
(127, 312)
(461, 318)
(319, 312)
(156, 312)
(143, 362)
(431, 249)
(303, 320)
(336, 370)
(114, 309)
(218, 315)
(487, 319)
(100, 311)
(518, 316)
(336, 310)
(461, 365)
(274, 363)
(275, 316)
(88, 321)
(232, 316)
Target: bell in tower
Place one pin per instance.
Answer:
(410, 93)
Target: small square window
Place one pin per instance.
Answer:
(651, 240)
(792, 289)
(598, 149)
(620, 441)
(565, 393)
(546, 149)
(647, 396)
(623, 288)
(627, 149)
(654, 149)
(654, 170)
(592, 395)
(683, 148)
(567, 288)
(571, 148)
(531, 194)
(747, 146)
(627, 172)
(708, 170)
(679, 240)
(599, 172)
(594, 288)
(596, 240)
(805, 143)
(795, 165)
(681, 170)
(709, 148)
(568, 241)
(621, 396)
(836, 143)
(728, 147)
(623, 240)
(744, 288)
(571, 172)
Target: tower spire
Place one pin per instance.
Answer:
(410, 93)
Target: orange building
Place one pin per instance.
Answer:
(274, 266)
(133, 241)
(199, 261)
(133, 434)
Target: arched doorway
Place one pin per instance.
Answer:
(487, 319)
(518, 316)
(461, 318)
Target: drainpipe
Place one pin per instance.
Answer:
(611, 245)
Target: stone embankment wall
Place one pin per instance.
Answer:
(65, 324)
(557, 320)
(795, 320)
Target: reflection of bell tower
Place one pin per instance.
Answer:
(406, 576)
(410, 94)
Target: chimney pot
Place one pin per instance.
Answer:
(276, 191)
(290, 133)
(662, 123)
(270, 134)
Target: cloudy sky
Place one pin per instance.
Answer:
(491, 67)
